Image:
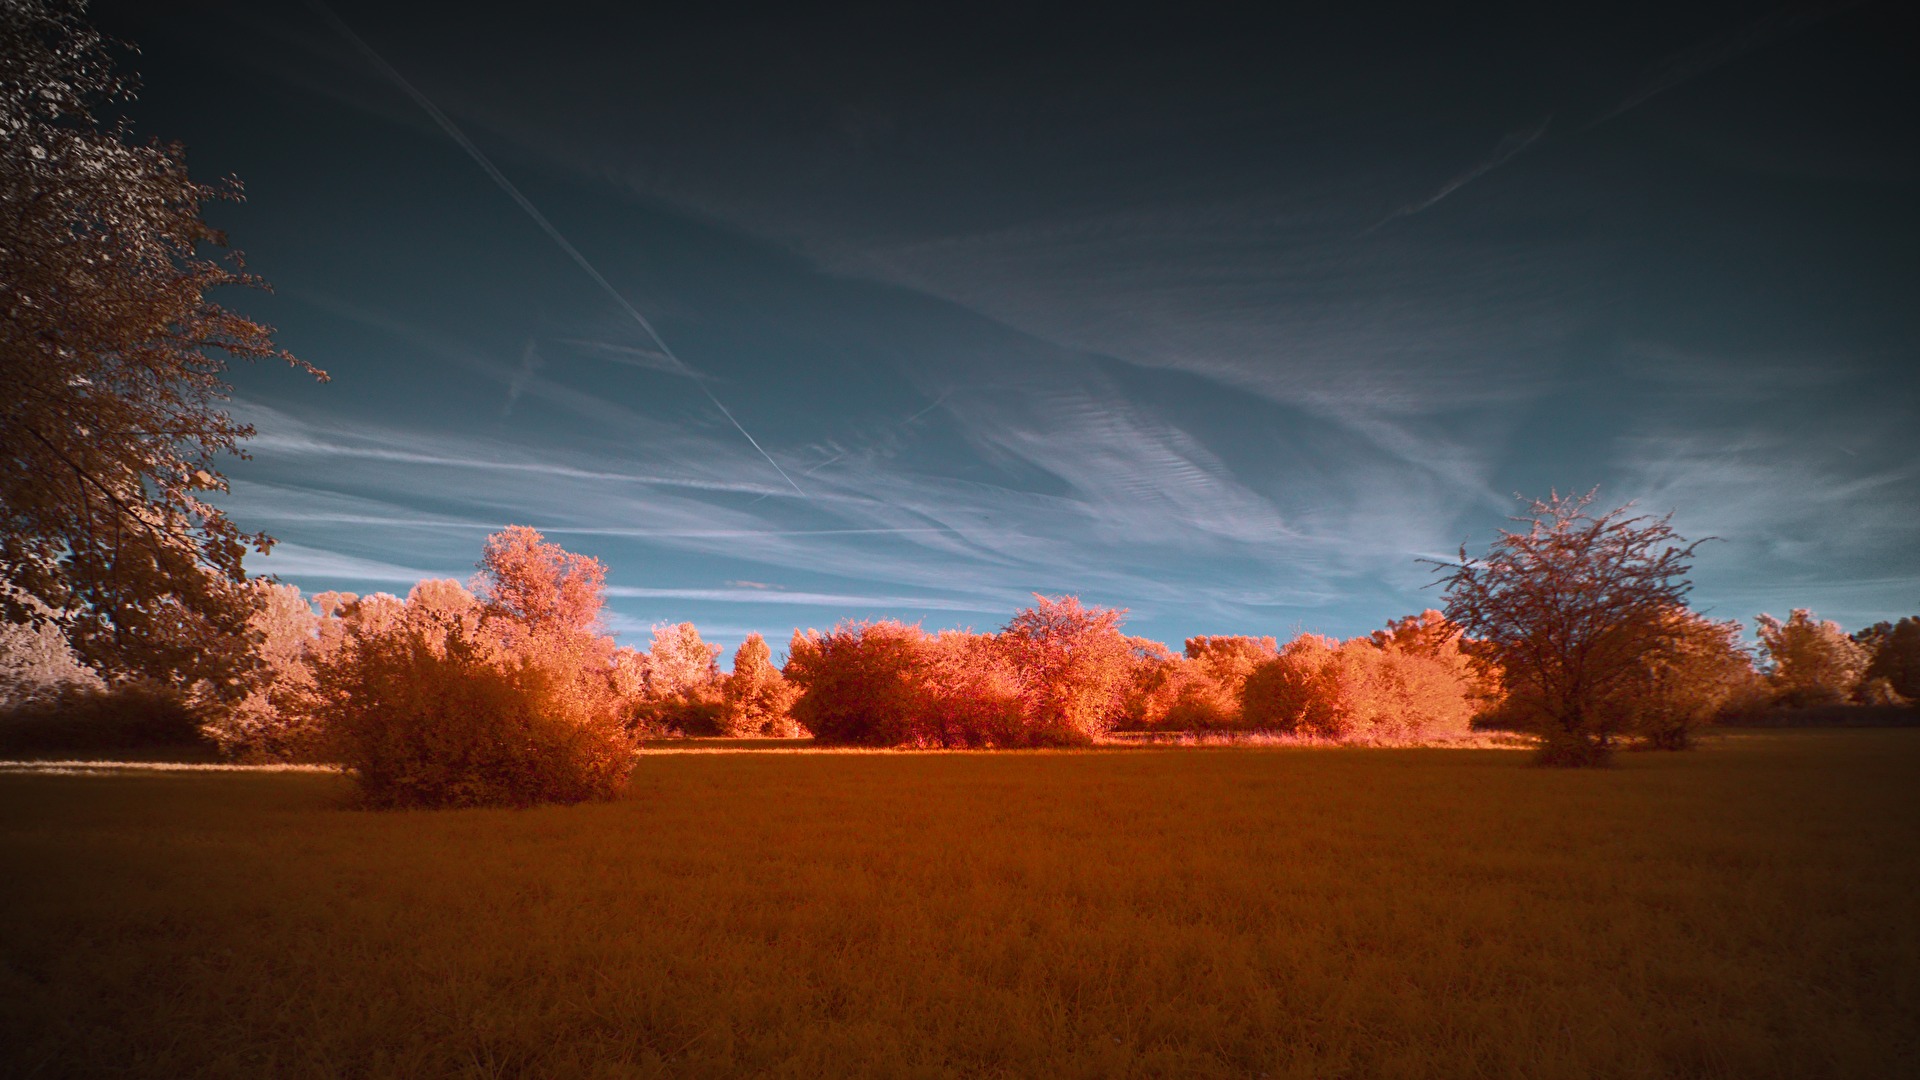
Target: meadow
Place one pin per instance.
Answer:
(1743, 911)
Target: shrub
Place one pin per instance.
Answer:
(124, 716)
(444, 721)
(859, 684)
(1053, 678)
(1377, 689)
(455, 699)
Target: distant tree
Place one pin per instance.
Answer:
(1894, 651)
(891, 684)
(1202, 688)
(860, 684)
(273, 722)
(36, 662)
(675, 686)
(1693, 671)
(538, 587)
(969, 694)
(1298, 691)
(113, 361)
(1558, 609)
(1811, 662)
(1072, 662)
(1156, 680)
(757, 695)
(1372, 689)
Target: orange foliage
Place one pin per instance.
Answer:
(426, 720)
(675, 686)
(1057, 675)
(859, 683)
(1071, 663)
(533, 587)
(1409, 681)
(452, 699)
(757, 695)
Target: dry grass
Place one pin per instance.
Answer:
(1745, 911)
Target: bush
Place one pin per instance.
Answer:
(1893, 672)
(860, 684)
(1053, 678)
(125, 716)
(1375, 689)
(451, 721)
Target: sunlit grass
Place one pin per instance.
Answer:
(1745, 911)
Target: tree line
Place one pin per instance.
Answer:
(126, 613)
(506, 688)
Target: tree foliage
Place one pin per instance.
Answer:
(1057, 675)
(1694, 670)
(1811, 661)
(1564, 610)
(757, 696)
(675, 687)
(114, 360)
(1894, 668)
(1389, 687)
(446, 698)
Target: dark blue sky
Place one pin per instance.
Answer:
(1223, 318)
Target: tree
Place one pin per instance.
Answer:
(1895, 651)
(1812, 662)
(859, 683)
(113, 358)
(1694, 670)
(1073, 665)
(537, 587)
(757, 696)
(36, 662)
(1563, 611)
(272, 722)
(679, 688)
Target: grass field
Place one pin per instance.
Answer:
(1745, 911)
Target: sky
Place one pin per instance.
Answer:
(1226, 317)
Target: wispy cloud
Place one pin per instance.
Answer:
(298, 561)
(836, 601)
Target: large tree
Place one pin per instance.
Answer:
(114, 418)
(1568, 612)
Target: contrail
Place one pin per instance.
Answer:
(453, 132)
(1509, 148)
(1704, 58)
